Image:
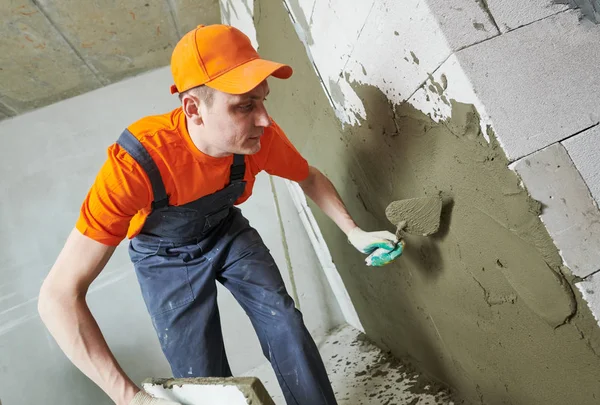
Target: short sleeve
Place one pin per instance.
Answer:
(120, 190)
(281, 158)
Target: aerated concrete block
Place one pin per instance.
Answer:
(539, 83)
(464, 22)
(210, 391)
(568, 210)
(590, 290)
(399, 45)
(510, 14)
(584, 150)
(337, 24)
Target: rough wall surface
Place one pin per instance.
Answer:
(52, 50)
(510, 15)
(590, 9)
(485, 305)
(537, 82)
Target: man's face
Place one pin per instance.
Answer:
(235, 123)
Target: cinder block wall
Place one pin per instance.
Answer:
(493, 106)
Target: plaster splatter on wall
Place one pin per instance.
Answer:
(589, 8)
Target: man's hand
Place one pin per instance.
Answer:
(382, 247)
(142, 398)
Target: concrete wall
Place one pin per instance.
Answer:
(400, 99)
(48, 161)
(52, 50)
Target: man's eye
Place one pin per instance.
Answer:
(246, 107)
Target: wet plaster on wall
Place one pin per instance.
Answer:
(483, 305)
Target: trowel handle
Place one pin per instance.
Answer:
(400, 236)
(400, 232)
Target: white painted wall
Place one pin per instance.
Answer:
(48, 160)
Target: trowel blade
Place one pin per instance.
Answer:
(420, 216)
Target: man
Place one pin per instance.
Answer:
(170, 184)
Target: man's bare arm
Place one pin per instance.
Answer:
(382, 246)
(65, 313)
(319, 189)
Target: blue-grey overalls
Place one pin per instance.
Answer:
(181, 252)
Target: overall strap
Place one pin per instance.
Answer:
(238, 169)
(139, 153)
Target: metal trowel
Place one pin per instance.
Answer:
(416, 216)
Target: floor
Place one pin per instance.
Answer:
(362, 374)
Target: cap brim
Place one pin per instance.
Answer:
(244, 78)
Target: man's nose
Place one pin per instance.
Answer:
(262, 117)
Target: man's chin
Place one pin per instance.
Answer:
(253, 148)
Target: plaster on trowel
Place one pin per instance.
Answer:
(417, 216)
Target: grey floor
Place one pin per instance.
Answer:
(362, 374)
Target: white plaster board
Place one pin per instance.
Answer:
(590, 290)
(240, 14)
(538, 83)
(569, 212)
(316, 300)
(458, 88)
(584, 150)
(322, 250)
(464, 22)
(510, 15)
(199, 394)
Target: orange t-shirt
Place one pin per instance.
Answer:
(120, 199)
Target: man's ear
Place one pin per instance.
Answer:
(191, 108)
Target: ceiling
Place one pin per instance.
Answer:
(51, 50)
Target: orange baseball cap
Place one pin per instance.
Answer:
(221, 57)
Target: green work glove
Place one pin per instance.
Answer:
(382, 247)
(142, 398)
